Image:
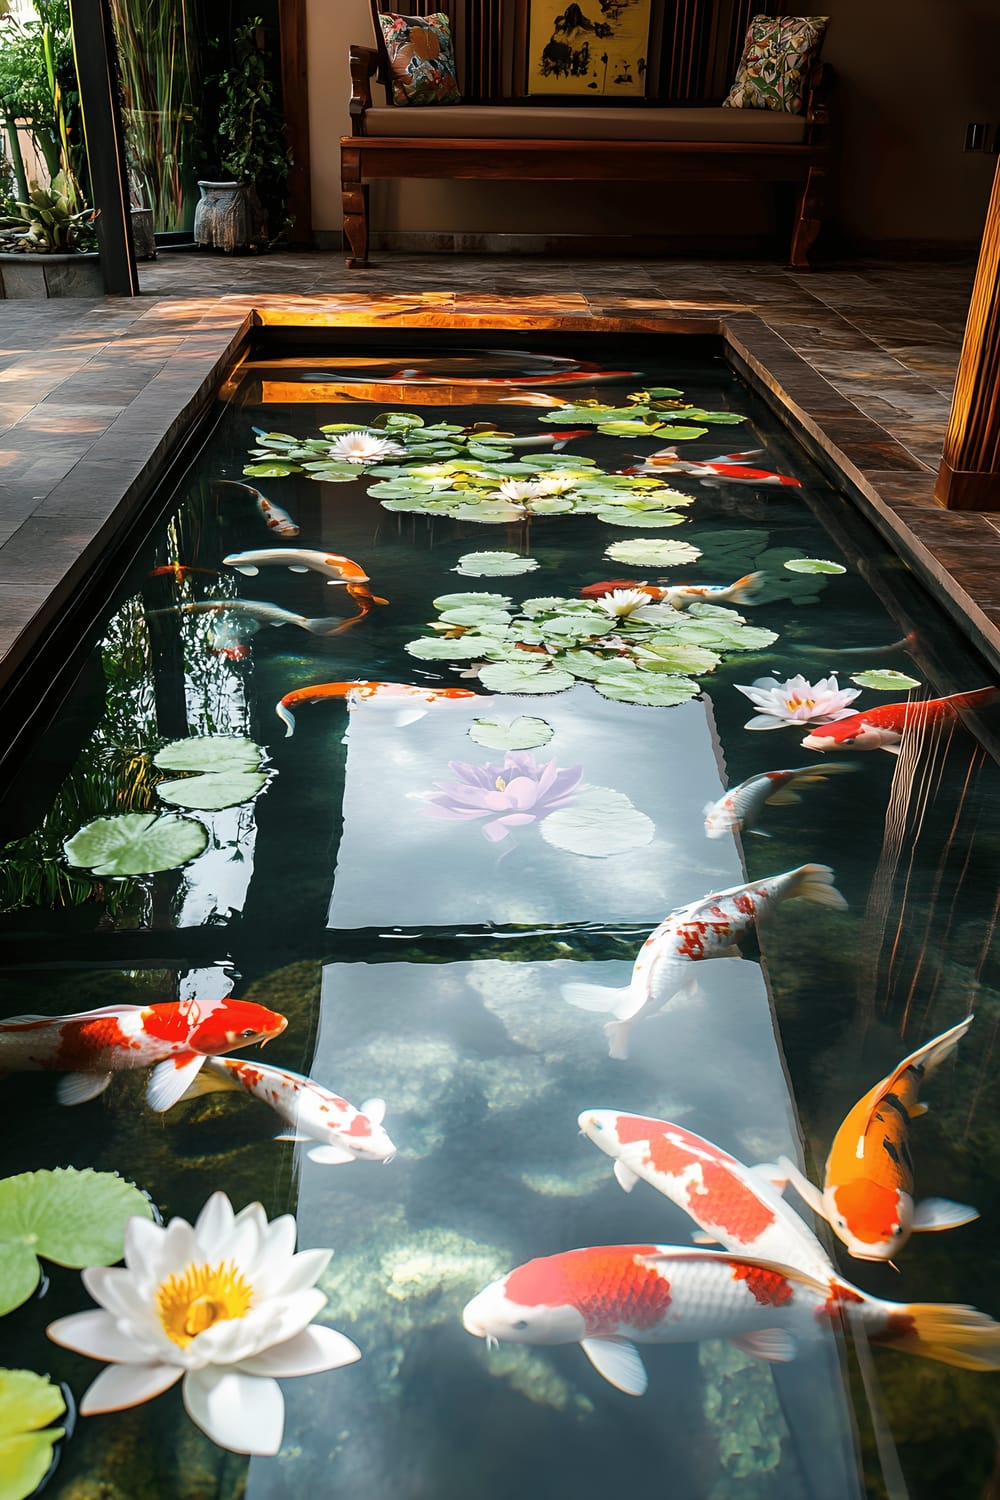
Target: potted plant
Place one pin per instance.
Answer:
(243, 206)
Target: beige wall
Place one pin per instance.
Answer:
(910, 75)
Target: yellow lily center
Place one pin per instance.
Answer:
(199, 1296)
(794, 703)
(500, 784)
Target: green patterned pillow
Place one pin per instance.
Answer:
(777, 56)
(421, 59)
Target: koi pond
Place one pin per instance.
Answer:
(540, 755)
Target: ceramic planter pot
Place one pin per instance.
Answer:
(229, 217)
(30, 275)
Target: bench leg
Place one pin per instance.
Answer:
(354, 194)
(808, 218)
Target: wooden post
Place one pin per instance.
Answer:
(969, 477)
(295, 103)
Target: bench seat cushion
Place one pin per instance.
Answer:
(562, 122)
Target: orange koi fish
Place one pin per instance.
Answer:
(365, 600)
(882, 728)
(274, 518)
(610, 1298)
(176, 1035)
(360, 691)
(179, 571)
(680, 595)
(867, 1195)
(334, 567)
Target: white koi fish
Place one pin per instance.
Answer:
(742, 805)
(276, 519)
(334, 567)
(312, 1112)
(250, 614)
(610, 1298)
(706, 928)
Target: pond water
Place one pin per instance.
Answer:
(418, 882)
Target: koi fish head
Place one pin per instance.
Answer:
(222, 1024)
(850, 735)
(873, 1221)
(519, 1309)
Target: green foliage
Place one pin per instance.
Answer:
(38, 87)
(28, 1402)
(75, 1218)
(48, 223)
(250, 143)
(654, 413)
(813, 565)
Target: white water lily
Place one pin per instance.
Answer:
(797, 701)
(226, 1304)
(620, 603)
(361, 448)
(555, 483)
(519, 490)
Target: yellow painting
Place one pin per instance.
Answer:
(597, 47)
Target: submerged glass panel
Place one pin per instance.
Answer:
(428, 804)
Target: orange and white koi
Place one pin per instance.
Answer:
(334, 567)
(363, 691)
(706, 928)
(176, 1035)
(882, 728)
(341, 1132)
(555, 440)
(275, 519)
(610, 1298)
(730, 467)
(680, 595)
(742, 805)
(867, 1195)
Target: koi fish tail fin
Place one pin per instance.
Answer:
(744, 589)
(286, 716)
(617, 1034)
(815, 883)
(949, 1333)
(328, 625)
(933, 1053)
(594, 997)
(976, 699)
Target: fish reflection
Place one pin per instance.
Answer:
(419, 698)
(742, 805)
(177, 1035)
(236, 620)
(867, 1195)
(180, 571)
(341, 1132)
(707, 928)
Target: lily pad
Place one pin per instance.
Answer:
(28, 1402)
(457, 648)
(471, 601)
(600, 823)
(647, 688)
(813, 565)
(270, 471)
(211, 792)
(885, 681)
(651, 552)
(75, 1218)
(225, 772)
(523, 733)
(493, 564)
(527, 677)
(213, 752)
(677, 657)
(136, 844)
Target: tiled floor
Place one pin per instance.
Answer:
(92, 392)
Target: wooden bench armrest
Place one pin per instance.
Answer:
(364, 63)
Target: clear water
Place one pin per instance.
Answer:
(420, 962)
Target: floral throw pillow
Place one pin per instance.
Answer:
(777, 56)
(421, 59)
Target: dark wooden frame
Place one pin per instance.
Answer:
(295, 105)
(366, 159)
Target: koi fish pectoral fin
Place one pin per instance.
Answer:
(330, 1156)
(171, 1079)
(292, 1135)
(77, 1088)
(208, 1081)
(702, 1238)
(806, 1190)
(626, 1178)
(594, 997)
(772, 1344)
(940, 1213)
(374, 1109)
(783, 798)
(772, 1173)
(248, 571)
(619, 1362)
(408, 716)
(916, 1110)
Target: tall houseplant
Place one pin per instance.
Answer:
(38, 96)
(244, 202)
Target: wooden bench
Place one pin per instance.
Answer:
(557, 143)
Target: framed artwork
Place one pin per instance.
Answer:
(596, 49)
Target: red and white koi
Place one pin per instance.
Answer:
(729, 467)
(363, 691)
(176, 1035)
(882, 728)
(312, 1113)
(334, 567)
(867, 1195)
(610, 1298)
(706, 928)
(274, 518)
(680, 595)
(742, 805)
(555, 440)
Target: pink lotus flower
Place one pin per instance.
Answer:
(518, 791)
(797, 701)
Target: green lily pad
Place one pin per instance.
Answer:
(136, 844)
(212, 752)
(885, 680)
(461, 601)
(601, 822)
(627, 516)
(813, 565)
(482, 621)
(270, 471)
(458, 648)
(650, 552)
(28, 1402)
(527, 677)
(648, 689)
(523, 733)
(213, 791)
(678, 657)
(493, 564)
(75, 1218)
(225, 772)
